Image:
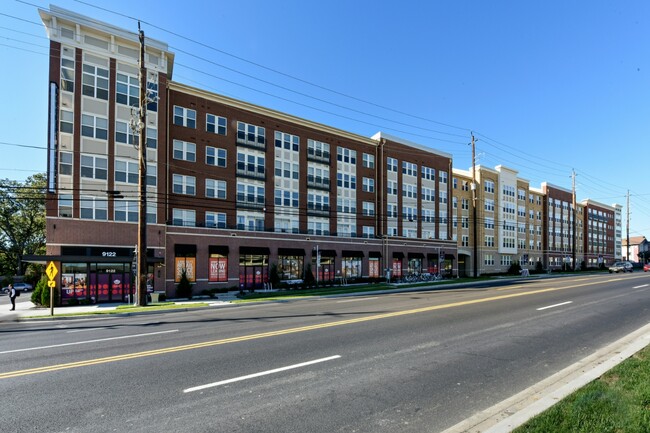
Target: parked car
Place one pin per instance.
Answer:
(20, 287)
(621, 267)
(646, 267)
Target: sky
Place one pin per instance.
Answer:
(547, 88)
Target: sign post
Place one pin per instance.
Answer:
(51, 272)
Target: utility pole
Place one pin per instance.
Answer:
(475, 224)
(574, 220)
(141, 269)
(627, 228)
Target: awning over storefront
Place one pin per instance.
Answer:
(374, 254)
(291, 252)
(324, 253)
(187, 250)
(218, 249)
(350, 253)
(254, 251)
(416, 256)
(398, 255)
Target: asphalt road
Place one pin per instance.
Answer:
(410, 362)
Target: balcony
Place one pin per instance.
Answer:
(318, 182)
(318, 156)
(251, 141)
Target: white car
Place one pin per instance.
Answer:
(621, 267)
(20, 287)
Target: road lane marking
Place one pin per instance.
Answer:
(555, 305)
(261, 373)
(356, 300)
(641, 286)
(83, 330)
(162, 351)
(86, 342)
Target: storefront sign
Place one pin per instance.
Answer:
(187, 264)
(218, 269)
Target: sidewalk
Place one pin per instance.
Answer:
(28, 309)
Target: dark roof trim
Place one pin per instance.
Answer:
(254, 250)
(374, 254)
(291, 252)
(351, 253)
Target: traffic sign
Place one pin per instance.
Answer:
(51, 284)
(51, 271)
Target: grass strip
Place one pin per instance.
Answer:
(616, 402)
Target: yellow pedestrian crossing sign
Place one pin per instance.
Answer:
(51, 271)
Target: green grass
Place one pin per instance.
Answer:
(617, 402)
(121, 309)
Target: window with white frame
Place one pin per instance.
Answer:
(391, 210)
(127, 90)
(250, 193)
(318, 149)
(488, 186)
(443, 196)
(94, 167)
(67, 73)
(215, 220)
(428, 215)
(391, 187)
(368, 184)
(287, 141)
(251, 134)
(215, 188)
(443, 177)
(346, 205)
(250, 163)
(152, 92)
(286, 198)
(428, 194)
(93, 208)
(317, 200)
(409, 190)
(489, 241)
(65, 205)
(216, 156)
(124, 133)
(152, 138)
(346, 155)
(184, 150)
(126, 210)
(184, 217)
(152, 174)
(454, 202)
(287, 169)
(489, 205)
(183, 184)
(344, 180)
(368, 208)
(94, 126)
(464, 241)
(368, 231)
(368, 160)
(66, 121)
(464, 204)
(216, 124)
(127, 171)
(318, 175)
(184, 117)
(95, 81)
(489, 223)
(488, 260)
(428, 173)
(409, 169)
(391, 164)
(65, 163)
(318, 226)
(409, 213)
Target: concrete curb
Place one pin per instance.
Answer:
(516, 410)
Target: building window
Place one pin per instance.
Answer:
(66, 121)
(124, 133)
(152, 174)
(93, 208)
(184, 117)
(286, 169)
(216, 124)
(489, 186)
(464, 241)
(215, 188)
(344, 180)
(215, 220)
(250, 194)
(67, 74)
(318, 150)
(318, 201)
(391, 164)
(184, 217)
(94, 127)
(152, 93)
(95, 82)
(368, 160)
(127, 90)
(65, 163)
(368, 232)
(286, 198)
(215, 156)
(250, 164)
(184, 184)
(126, 171)
(346, 155)
(94, 167)
(184, 150)
(409, 190)
(368, 184)
(287, 141)
(428, 173)
(152, 138)
(65, 205)
(391, 187)
(251, 134)
(126, 210)
(443, 177)
(368, 208)
(409, 169)
(318, 227)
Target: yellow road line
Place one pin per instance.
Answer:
(135, 355)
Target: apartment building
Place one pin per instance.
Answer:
(233, 189)
(600, 233)
(564, 234)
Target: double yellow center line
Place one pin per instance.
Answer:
(163, 351)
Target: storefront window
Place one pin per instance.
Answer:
(74, 278)
(218, 266)
(373, 268)
(351, 267)
(290, 267)
(415, 266)
(326, 270)
(184, 260)
(253, 271)
(397, 268)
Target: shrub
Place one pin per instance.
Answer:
(514, 269)
(184, 289)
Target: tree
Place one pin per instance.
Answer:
(22, 222)
(184, 289)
